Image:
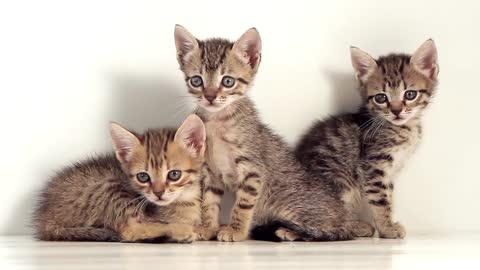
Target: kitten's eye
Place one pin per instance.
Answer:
(380, 98)
(196, 81)
(143, 177)
(228, 81)
(174, 175)
(410, 94)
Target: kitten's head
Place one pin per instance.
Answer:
(218, 72)
(397, 87)
(162, 163)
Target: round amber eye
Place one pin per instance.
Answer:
(228, 81)
(410, 94)
(174, 175)
(143, 177)
(196, 81)
(380, 98)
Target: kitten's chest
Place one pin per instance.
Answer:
(401, 152)
(221, 151)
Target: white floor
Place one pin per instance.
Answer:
(430, 252)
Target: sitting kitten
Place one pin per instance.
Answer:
(361, 153)
(272, 189)
(149, 190)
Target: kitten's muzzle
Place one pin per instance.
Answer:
(396, 111)
(210, 98)
(210, 94)
(159, 194)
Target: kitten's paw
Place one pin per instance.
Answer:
(229, 234)
(286, 235)
(183, 234)
(205, 233)
(361, 228)
(395, 231)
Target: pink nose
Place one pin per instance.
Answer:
(396, 111)
(159, 194)
(210, 98)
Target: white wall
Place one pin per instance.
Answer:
(67, 67)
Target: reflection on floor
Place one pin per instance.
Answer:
(417, 251)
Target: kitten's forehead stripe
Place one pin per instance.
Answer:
(156, 142)
(213, 52)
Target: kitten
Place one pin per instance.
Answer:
(361, 153)
(273, 191)
(149, 190)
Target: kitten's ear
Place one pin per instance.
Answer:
(184, 42)
(249, 47)
(424, 60)
(124, 142)
(363, 64)
(191, 135)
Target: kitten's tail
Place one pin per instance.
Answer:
(267, 232)
(79, 234)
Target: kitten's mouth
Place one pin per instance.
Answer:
(162, 202)
(398, 120)
(212, 107)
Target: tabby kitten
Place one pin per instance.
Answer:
(149, 190)
(273, 191)
(361, 153)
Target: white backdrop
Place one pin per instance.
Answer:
(68, 67)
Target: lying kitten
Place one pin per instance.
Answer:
(361, 153)
(149, 190)
(244, 155)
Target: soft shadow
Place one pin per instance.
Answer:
(345, 97)
(20, 222)
(146, 101)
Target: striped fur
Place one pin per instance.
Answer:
(361, 153)
(100, 199)
(246, 156)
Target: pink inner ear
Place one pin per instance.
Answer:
(427, 65)
(253, 60)
(123, 153)
(362, 69)
(194, 141)
(252, 56)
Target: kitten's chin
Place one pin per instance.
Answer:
(399, 121)
(160, 202)
(212, 108)
(163, 202)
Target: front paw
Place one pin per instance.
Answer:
(205, 233)
(183, 234)
(229, 234)
(394, 231)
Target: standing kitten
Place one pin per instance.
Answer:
(150, 190)
(362, 152)
(244, 155)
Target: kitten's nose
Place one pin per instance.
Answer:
(159, 194)
(396, 111)
(210, 98)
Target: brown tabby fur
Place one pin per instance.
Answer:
(361, 153)
(273, 191)
(100, 199)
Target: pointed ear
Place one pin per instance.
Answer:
(363, 64)
(184, 42)
(191, 136)
(124, 142)
(249, 48)
(424, 60)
